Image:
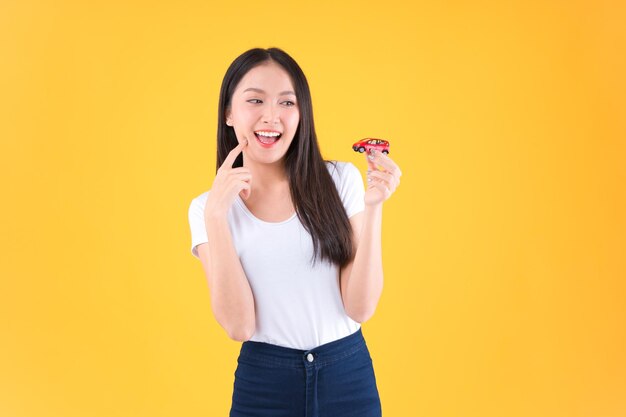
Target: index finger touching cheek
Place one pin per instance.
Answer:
(232, 155)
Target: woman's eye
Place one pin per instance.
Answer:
(290, 103)
(255, 99)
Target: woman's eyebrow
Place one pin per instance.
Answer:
(258, 90)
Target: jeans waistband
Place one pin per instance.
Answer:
(297, 358)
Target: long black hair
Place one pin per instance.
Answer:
(312, 188)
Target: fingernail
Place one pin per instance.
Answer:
(371, 157)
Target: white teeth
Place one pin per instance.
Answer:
(268, 134)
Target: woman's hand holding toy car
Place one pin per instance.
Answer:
(381, 182)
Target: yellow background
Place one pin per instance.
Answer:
(504, 247)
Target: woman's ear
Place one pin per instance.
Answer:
(229, 120)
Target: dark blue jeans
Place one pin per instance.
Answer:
(332, 380)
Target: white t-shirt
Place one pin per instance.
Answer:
(296, 305)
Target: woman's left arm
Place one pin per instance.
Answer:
(362, 278)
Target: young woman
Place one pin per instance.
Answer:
(291, 248)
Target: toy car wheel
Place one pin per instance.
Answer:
(385, 152)
(361, 149)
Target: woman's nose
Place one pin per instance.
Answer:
(271, 115)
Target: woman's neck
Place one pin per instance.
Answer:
(268, 177)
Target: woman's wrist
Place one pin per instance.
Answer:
(374, 210)
(215, 216)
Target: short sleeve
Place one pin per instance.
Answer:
(351, 189)
(196, 223)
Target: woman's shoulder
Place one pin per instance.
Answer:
(349, 183)
(199, 201)
(339, 169)
(346, 176)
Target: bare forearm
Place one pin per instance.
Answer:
(231, 296)
(365, 282)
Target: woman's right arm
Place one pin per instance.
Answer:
(231, 297)
(232, 301)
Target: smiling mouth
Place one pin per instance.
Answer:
(267, 138)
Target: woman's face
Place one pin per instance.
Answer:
(262, 106)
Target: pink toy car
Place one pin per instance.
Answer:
(368, 144)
